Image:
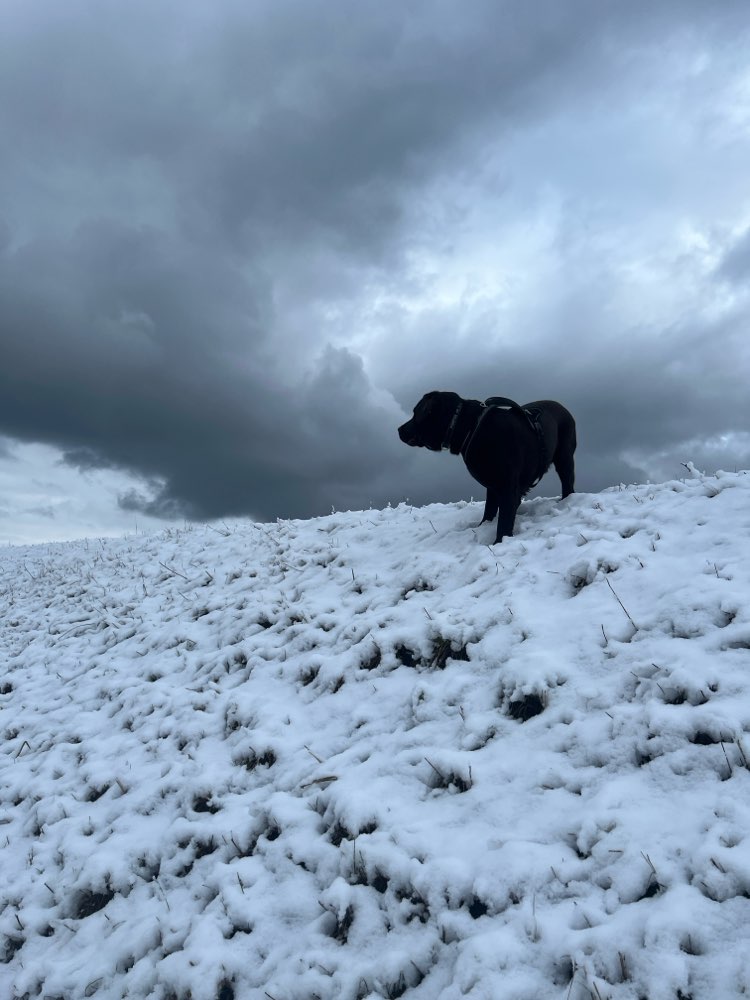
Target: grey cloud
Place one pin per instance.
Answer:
(46, 511)
(157, 380)
(735, 263)
(85, 459)
(285, 118)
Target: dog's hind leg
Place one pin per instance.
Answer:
(563, 457)
(491, 505)
(565, 467)
(506, 519)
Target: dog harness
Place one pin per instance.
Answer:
(446, 445)
(532, 416)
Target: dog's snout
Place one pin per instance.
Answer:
(405, 432)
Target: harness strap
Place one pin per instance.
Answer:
(470, 436)
(446, 445)
(535, 421)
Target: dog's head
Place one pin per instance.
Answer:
(432, 417)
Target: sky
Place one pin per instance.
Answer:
(238, 242)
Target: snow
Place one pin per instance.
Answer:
(371, 755)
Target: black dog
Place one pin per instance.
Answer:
(506, 447)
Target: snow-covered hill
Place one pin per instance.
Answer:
(370, 756)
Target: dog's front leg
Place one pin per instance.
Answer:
(490, 507)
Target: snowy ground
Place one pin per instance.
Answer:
(370, 756)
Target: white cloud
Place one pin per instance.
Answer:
(44, 500)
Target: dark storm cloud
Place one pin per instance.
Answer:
(158, 377)
(200, 198)
(281, 120)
